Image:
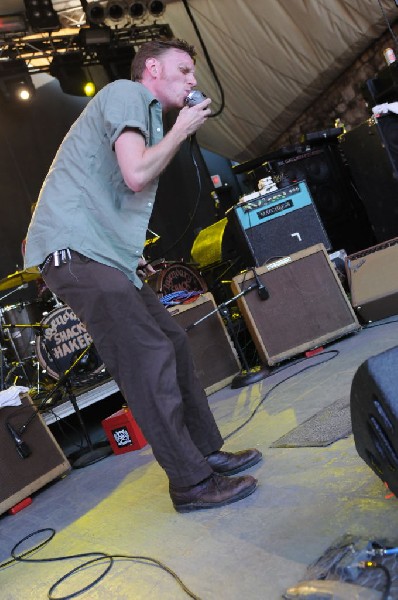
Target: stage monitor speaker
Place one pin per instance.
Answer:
(306, 308)
(214, 355)
(21, 477)
(338, 204)
(373, 281)
(374, 415)
(371, 152)
(278, 223)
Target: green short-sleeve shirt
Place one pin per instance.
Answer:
(84, 203)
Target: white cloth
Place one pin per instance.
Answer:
(10, 397)
(382, 109)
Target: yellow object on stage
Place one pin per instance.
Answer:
(19, 278)
(207, 247)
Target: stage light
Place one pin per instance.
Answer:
(89, 89)
(137, 10)
(95, 13)
(41, 15)
(95, 37)
(116, 13)
(73, 78)
(15, 81)
(156, 8)
(12, 24)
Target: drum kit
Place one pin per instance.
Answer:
(41, 339)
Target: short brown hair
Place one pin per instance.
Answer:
(154, 49)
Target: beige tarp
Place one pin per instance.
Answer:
(272, 57)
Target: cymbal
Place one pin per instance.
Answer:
(152, 240)
(19, 278)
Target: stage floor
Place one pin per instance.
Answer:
(307, 498)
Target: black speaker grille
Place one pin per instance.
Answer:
(285, 235)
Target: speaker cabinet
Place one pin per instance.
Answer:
(20, 477)
(373, 280)
(278, 224)
(306, 308)
(374, 415)
(340, 208)
(214, 356)
(371, 151)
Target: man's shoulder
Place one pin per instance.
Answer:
(126, 85)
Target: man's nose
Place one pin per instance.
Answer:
(192, 81)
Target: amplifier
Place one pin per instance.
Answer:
(373, 280)
(20, 477)
(278, 223)
(306, 306)
(215, 358)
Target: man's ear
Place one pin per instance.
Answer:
(152, 65)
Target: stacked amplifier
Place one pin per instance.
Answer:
(277, 224)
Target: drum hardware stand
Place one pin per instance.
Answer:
(4, 326)
(247, 376)
(93, 452)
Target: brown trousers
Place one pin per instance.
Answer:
(148, 355)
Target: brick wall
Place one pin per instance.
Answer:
(343, 99)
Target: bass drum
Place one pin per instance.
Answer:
(61, 341)
(175, 277)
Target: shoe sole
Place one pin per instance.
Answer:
(249, 464)
(206, 505)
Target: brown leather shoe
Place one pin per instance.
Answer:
(214, 491)
(229, 463)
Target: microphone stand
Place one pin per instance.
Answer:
(247, 376)
(93, 452)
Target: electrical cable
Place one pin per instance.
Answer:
(376, 565)
(195, 209)
(93, 557)
(253, 413)
(394, 37)
(208, 59)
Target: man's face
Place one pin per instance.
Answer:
(176, 78)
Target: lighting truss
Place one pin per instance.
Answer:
(38, 50)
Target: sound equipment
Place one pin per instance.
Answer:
(371, 152)
(337, 202)
(214, 356)
(278, 223)
(306, 308)
(374, 415)
(373, 281)
(45, 460)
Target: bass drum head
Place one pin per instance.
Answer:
(62, 340)
(176, 277)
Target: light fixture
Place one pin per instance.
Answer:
(95, 36)
(89, 89)
(12, 24)
(137, 9)
(156, 8)
(95, 12)
(69, 69)
(15, 81)
(116, 13)
(41, 15)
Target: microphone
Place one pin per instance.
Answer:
(22, 448)
(194, 97)
(261, 289)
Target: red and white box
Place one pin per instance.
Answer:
(123, 433)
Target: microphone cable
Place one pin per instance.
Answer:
(208, 59)
(91, 559)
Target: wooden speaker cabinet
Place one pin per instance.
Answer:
(306, 308)
(20, 477)
(214, 356)
(373, 281)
